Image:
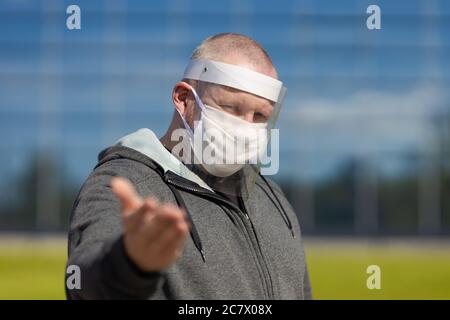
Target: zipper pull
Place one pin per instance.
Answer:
(246, 216)
(203, 255)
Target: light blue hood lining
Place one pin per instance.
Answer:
(145, 141)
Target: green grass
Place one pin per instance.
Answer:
(408, 271)
(32, 270)
(35, 270)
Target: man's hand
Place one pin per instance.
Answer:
(154, 233)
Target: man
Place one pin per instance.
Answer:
(149, 223)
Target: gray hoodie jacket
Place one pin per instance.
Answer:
(256, 253)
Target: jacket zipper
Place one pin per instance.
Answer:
(260, 251)
(246, 221)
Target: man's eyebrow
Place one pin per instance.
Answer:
(228, 96)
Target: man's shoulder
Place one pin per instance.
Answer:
(137, 172)
(271, 184)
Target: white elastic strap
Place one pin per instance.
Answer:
(198, 100)
(234, 76)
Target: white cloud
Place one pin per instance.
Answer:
(366, 121)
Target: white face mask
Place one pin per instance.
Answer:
(224, 143)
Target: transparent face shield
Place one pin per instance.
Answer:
(227, 151)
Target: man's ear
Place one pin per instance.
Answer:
(181, 93)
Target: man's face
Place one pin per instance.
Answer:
(246, 106)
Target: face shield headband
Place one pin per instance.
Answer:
(235, 77)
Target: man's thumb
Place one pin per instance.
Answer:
(125, 192)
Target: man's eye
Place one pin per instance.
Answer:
(225, 106)
(259, 117)
(229, 108)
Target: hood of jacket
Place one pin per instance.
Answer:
(145, 141)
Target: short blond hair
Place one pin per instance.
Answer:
(217, 47)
